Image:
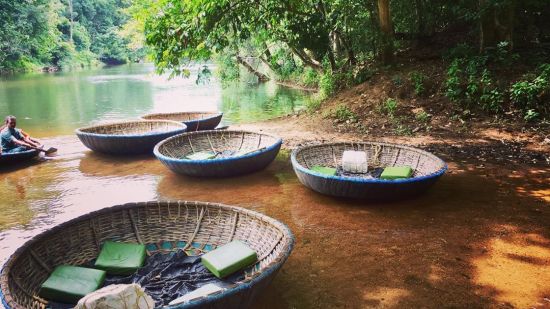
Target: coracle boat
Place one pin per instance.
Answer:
(162, 227)
(128, 137)
(195, 121)
(218, 153)
(11, 158)
(426, 170)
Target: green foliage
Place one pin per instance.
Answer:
(469, 83)
(227, 68)
(453, 82)
(314, 103)
(342, 113)
(403, 129)
(397, 80)
(423, 117)
(327, 84)
(530, 94)
(310, 77)
(390, 107)
(45, 33)
(530, 115)
(418, 79)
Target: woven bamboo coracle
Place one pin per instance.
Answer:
(128, 137)
(257, 151)
(163, 227)
(195, 121)
(10, 158)
(427, 169)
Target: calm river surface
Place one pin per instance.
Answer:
(479, 238)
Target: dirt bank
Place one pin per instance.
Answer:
(481, 144)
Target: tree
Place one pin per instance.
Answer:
(386, 27)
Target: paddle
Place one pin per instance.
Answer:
(48, 151)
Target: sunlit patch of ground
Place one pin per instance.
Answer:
(385, 297)
(516, 270)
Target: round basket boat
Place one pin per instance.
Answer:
(10, 158)
(245, 152)
(128, 137)
(163, 226)
(427, 168)
(195, 121)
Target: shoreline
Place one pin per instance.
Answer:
(486, 145)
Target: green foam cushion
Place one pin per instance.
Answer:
(229, 258)
(324, 170)
(68, 284)
(202, 155)
(120, 258)
(396, 172)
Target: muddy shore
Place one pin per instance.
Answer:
(480, 238)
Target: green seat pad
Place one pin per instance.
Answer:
(120, 258)
(201, 155)
(229, 258)
(324, 170)
(396, 172)
(68, 284)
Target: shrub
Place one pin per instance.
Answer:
(227, 68)
(452, 85)
(397, 80)
(423, 117)
(310, 77)
(327, 84)
(530, 115)
(342, 113)
(529, 94)
(417, 80)
(390, 106)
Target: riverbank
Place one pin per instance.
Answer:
(483, 143)
(478, 238)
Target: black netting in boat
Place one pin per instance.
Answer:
(166, 277)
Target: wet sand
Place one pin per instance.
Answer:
(479, 238)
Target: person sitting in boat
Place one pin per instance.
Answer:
(15, 140)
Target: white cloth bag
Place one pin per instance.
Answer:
(119, 296)
(354, 162)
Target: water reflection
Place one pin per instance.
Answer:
(55, 104)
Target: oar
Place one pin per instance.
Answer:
(46, 151)
(50, 150)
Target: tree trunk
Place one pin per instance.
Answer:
(71, 18)
(308, 61)
(261, 77)
(386, 28)
(496, 25)
(487, 35)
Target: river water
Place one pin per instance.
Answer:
(479, 238)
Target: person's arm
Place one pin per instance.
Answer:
(22, 143)
(29, 140)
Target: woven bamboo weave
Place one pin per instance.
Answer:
(427, 169)
(195, 121)
(163, 227)
(257, 151)
(128, 137)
